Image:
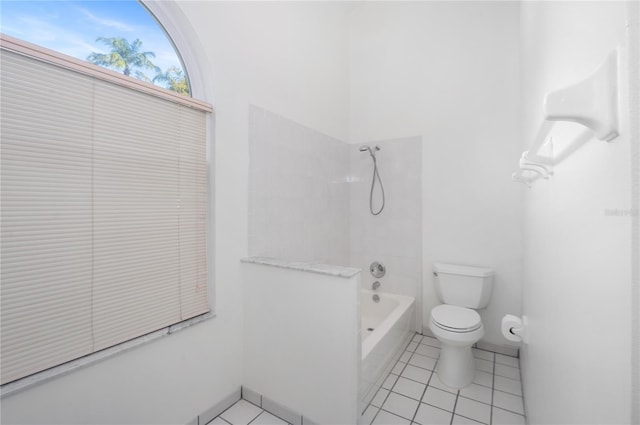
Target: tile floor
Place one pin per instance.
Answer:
(243, 413)
(412, 394)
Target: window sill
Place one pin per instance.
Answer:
(90, 359)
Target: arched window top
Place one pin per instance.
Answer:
(119, 35)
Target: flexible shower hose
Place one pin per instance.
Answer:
(373, 183)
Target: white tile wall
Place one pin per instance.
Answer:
(309, 201)
(298, 191)
(395, 236)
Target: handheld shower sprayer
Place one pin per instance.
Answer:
(372, 152)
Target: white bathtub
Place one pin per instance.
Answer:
(386, 328)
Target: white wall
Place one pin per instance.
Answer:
(577, 268)
(302, 341)
(449, 71)
(289, 58)
(634, 111)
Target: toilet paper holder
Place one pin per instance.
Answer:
(514, 328)
(519, 331)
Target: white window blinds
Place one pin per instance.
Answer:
(104, 194)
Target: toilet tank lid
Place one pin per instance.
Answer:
(462, 270)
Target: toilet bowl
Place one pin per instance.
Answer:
(457, 329)
(455, 323)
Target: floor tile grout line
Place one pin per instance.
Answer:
(394, 414)
(503, 408)
(252, 420)
(402, 395)
(261, 411)
(423, 383)
(415, 353)
(524, 409)
(485, 403)
(389, 391)
(510, 411)
(472, 419)
(507, 365)
(376, 415)
(477, 401)
(455, 404)
(266, 411)
(493, 389)
(502, 376)
(258, 416)
(429, 345)
(396, 382)
(510, 379)
(424, 391)
(222, 413)
(409, 379)
(438, 407)
(425, 355)
(426, 384)
(421, 366)
(458, 394)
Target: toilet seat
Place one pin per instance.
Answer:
(453, 318)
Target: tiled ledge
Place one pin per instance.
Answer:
(326, 269)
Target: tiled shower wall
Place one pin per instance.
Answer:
(298, 191)
(309, 201)
(394, 237)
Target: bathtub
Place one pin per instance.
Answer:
(386, 327)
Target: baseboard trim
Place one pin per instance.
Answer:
(499, 349)
(275, 408)
(507, 350)
(215, 410)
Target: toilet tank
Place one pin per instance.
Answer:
(464, 286)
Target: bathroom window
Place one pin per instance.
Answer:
(119, 35)
(104, 208)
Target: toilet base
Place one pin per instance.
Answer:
(456, 367)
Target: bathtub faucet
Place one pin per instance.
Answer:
(375, 285)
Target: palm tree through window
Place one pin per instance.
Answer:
(120, 35)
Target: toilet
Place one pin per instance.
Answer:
(455, 323)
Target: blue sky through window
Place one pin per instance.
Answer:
(72, 27)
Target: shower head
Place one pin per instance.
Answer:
(365, 148)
